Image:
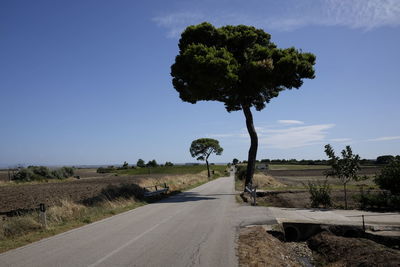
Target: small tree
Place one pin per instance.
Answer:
(345, 168)
(140, 163)
(125, 165)
(152, 164)
(240, 67)
(202, 148)
(235, 161)
(169, 164)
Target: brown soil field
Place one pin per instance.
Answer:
(25, 197)
(296, 195)
(318, 172)
(298, 177)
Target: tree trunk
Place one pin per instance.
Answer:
(345, 196)
(251, 162)
(208, 168)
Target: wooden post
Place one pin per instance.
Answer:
(254, 196)
(363, 222)
(42, 215)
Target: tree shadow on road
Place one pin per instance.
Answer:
(185, 197)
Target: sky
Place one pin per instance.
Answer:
(88, 82)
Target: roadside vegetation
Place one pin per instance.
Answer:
(40, 173)
(341, 182)
(20, 230)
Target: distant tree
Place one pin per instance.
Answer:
(169, 164)
(239, 66)
(386, 159)
(140, 163)
(389, 178)
(202, 148)
(125, 165)
(152, 164)
(235, 161)
(345, 168)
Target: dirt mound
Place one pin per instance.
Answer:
(342, 251)
(258, 248)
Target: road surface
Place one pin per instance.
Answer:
(195, 228)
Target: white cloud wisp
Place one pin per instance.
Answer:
(287, 15)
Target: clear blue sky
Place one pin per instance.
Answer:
(87, 82)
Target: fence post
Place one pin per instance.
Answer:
(363, 222)
(254, 196)
(42, 215)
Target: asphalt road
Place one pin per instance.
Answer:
(195, 228)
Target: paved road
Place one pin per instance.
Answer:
(195, 228)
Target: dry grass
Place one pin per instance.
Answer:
(266, 181)
(66, 211)
(258, 248)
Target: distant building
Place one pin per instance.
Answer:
(262, 166)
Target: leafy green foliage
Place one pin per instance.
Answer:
(345, 168)
(320, 194)
(152, 164)
(202, 148)
(37, 173)
(235, 161)
(241, 172)
(106, 170)
(236, 65)
(385, 159)
(378, 200)
(140, 163)
(168, 164)
(389, 178)
(125, 165)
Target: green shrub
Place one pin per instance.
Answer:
(37, 173)
(378, 200)
(389, 178)
(320, 194)
(241, 171)
(109, 169)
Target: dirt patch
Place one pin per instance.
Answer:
(341, 251)
(301, 198)
(318, 172)
(258, 248)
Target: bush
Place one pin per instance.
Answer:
(106, 170)
(389, 178)
(241, 171)
(37, 173)
(320, 194)
(380, 200)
